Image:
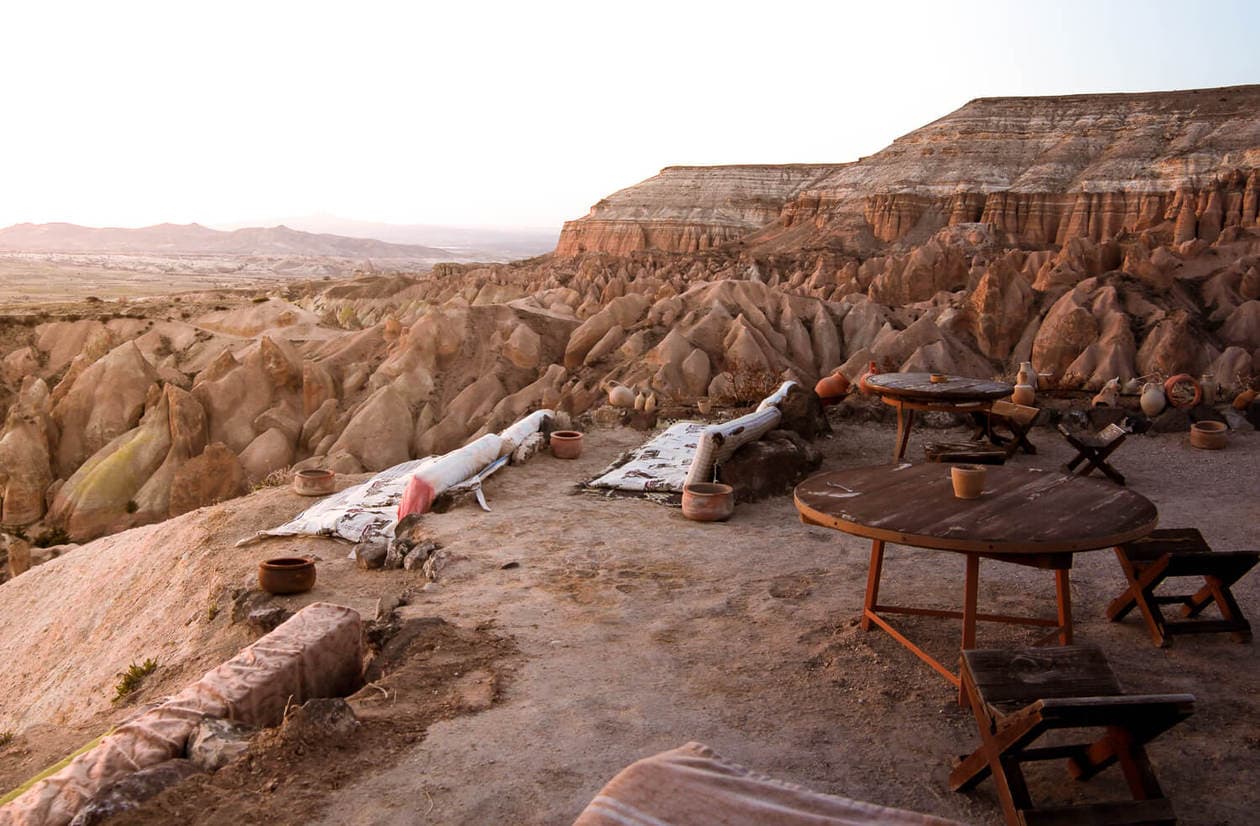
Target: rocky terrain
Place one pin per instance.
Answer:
(1097, 236)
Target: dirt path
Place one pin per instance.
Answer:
(633, 631)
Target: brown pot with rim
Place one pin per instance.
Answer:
(708, 501)
(968, 480)
(566, 444)
(314, 482)
(287, 575)
(1208, 435)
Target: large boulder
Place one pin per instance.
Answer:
(104, 401)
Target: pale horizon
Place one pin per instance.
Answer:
(502, 116)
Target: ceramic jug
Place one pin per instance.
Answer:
(1024, 394)
(1027, 375)
(619, 395)
(1152, 399)
(1109, 396)
(1207, 383)
(833, 386)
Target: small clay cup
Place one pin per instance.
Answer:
(708, 501)
(968, 480)
(1207, 435)
(566, 444)
(938, 378)
(314, 482)
(286, 575)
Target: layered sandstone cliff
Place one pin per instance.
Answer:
(688, 209)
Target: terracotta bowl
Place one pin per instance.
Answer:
(314, 482)
(968, 480)
(566, 444)
(1208, 435)
(708, 502)
(286, 575)
(938, 378)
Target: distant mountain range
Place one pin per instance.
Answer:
(480, 243)
(195, 239)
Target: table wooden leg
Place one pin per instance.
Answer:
(872, 582)
(1063, 589)
(905, 421)
(971, 596)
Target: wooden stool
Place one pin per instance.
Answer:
(1094, 448)
(1182, 552)
(1017, 696)
(1016, 419)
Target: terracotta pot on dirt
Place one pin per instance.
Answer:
(1207, 435)
(870, 371)
(1183, 391)
(619, 395)
(1245, 398)
(833, 386)
(286, 575)
(708, 501)
(314, 482)
(1024, 394)
(1153, 400)
(566, 444)
(968, 480)
(704, 405)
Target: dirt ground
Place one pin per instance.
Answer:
(573, 634)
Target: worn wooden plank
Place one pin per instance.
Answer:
(1007, 677)
(1022, 510)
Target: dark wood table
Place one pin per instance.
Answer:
(1025, 516)
(909, 392)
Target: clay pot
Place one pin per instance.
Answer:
(1109, 396)
(870, 371)
(1207, 383)
(1153, 400)
(833, 386)
(704, 405)
(314, 482)
(1132, 387)
(1188, 394)
(1245, 398)
(649, 404)
(937, 378)
(968, 480)
(1024, 394)
(286, 575)
(708, 501)
(639, 400)
(1027, 375)
(1207, 435)
(619, 395)
(566, 444)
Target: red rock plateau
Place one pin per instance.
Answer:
(1097, 236)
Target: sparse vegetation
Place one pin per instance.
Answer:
(748, 386)
(6, 737)
(278, 478)
(133, 678)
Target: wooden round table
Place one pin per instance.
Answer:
(909, 392)
(1025, 516)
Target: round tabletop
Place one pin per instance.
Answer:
(1021, 511)
(920, 387)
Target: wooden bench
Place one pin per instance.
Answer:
(1017, 420)
(1094, 448)
(1182, 552)
(969, 452)
(1019, 695)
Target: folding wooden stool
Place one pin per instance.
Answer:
(1182, 552)
(1094, 448)
(1017, 696)
(1016, 419)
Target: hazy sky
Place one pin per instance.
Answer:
(522, 113)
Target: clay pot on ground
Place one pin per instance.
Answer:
(639, 400)
(1183, 391)
(286, 575)
(1027, 375)
(968, 480)
(1132, 387)
(1207, 435)
(1243, 399)
(833, 386)
(1109, 396)
(1024, 394)
(1207, 383)
(566, 444)
(1153, 400)
(704, 405)
(649, 404)
(314, 482)
(619, 395)
(708, 501)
